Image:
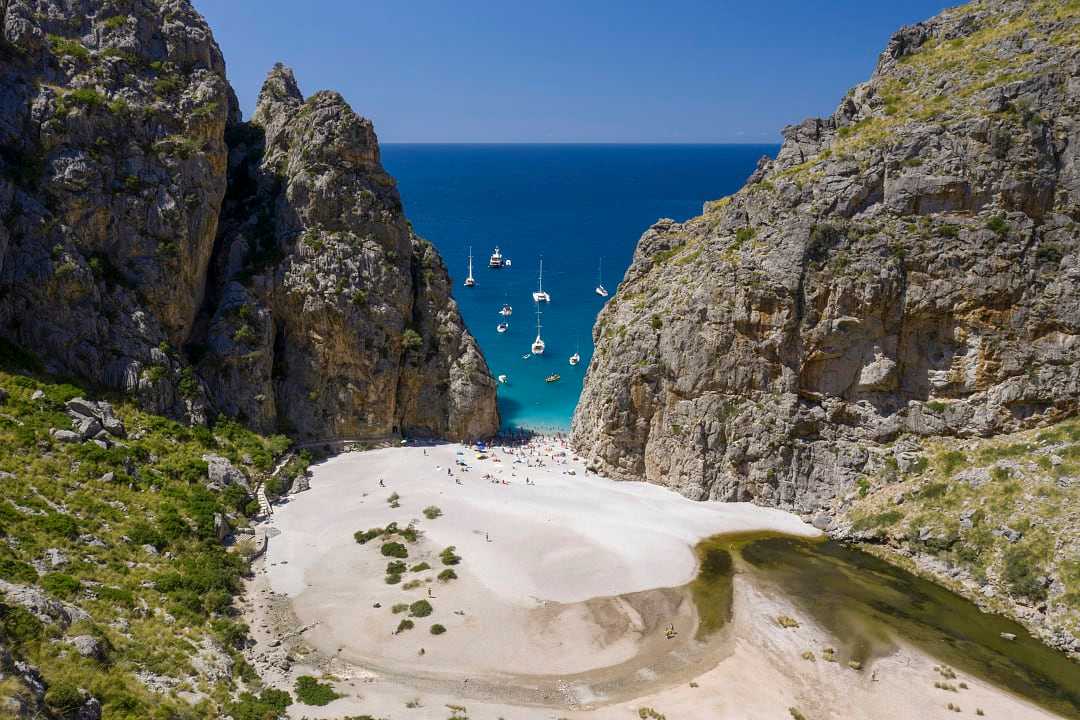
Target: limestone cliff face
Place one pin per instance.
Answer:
(112, 134)
(909, 266)
(334, 318)
(309, 306)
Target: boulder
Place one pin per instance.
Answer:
(65, 436)
(222, 473)
(88, 646)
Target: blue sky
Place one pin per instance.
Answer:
(566, 71)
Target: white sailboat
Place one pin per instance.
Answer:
(600, 289)
(538, 343)
(470, 281)
(541, 296)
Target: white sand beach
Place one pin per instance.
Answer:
(564, 596)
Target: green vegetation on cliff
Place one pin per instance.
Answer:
(115, 584)
(995, 519)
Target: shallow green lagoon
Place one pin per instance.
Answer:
(868, 604)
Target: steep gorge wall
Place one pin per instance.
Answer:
(906, 267)
(310, 306)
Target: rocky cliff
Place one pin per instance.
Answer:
(909, 266)
(153, 243)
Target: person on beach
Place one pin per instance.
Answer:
(381, 483)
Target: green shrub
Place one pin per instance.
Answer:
(420, 608)
(365, 536)
(447, 575)
(420, 567)
(448, 556)
(63, 697)
(431, 512)
(61, 525)
(311, 692)
(437, 629)
(951, 461)
(395, 549)
(18, 572)
(744, 234)
(1023, 568)
(392, 579)
(66, 47)
(411, 340)
(269, 705)
(998, 225)
(18, 625)
(399, 608)
(61, 585)
(395, 567)
(404, 625)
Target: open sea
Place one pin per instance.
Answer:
(573, 204)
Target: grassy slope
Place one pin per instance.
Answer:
(153, 611)
(949, 514)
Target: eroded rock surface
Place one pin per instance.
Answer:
(312, 308)
(908, 266)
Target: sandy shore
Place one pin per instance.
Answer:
(566, 587)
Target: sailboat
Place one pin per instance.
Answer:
(541, 296)
(538, 343)
(470, 281)
(600, 289)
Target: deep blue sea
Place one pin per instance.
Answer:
(573, 204)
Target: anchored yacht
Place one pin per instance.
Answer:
(538, 343)
(496, 260)
(541, 296)
(470, 281)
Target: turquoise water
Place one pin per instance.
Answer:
(572, 203)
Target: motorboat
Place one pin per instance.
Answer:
(470, 281)
(503, 379)
(575, 358)
(506, 311)
(541, 296)
(496, 261)
(554, 377)
(502, 327)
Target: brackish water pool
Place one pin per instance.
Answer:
(868, 604)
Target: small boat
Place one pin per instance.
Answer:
(575, 358)
(600, 289)
(554, 377)
(506, 311)
(526, 356)
(538, 343)
(506, 262)
(502, 327)
(470, 281)
(496, 261)
(541, 296)
(503, 379)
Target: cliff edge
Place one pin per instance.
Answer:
(905, 268)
